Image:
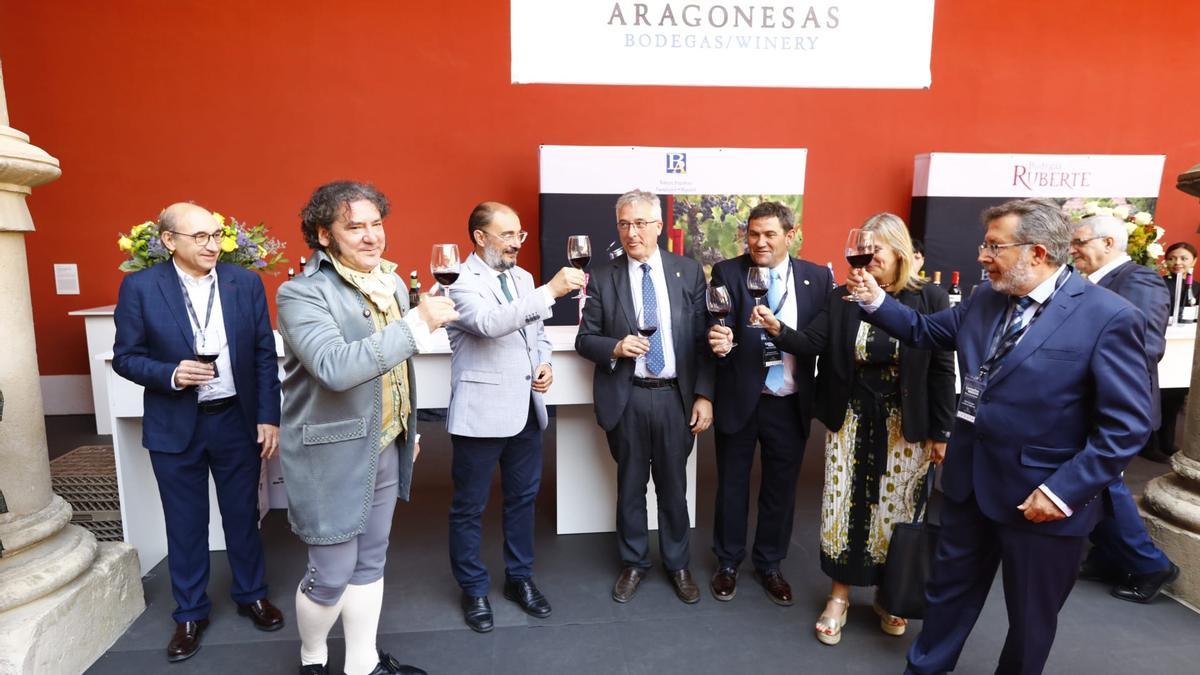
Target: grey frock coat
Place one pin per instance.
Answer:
(333, 364)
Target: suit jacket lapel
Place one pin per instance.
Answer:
(172, 290)
(624, 293)
(229, 312)
(1062, 305)
(677, 297)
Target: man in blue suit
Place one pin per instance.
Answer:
(1055, 402)
(763, 405)
(1122, 553)
(201, 417)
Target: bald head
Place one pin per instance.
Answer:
(181, 226)
(483, 214)
(182, 214)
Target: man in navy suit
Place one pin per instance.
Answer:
(1122, 553)
(652, 394)
(201, 417)
(765, 399)
(1055, 402)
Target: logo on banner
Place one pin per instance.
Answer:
(677, 162)
(1036, 175)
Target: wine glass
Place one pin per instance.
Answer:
(860, 248)
(647, 326)
(444, 266)
(579, 253)
(758, 282)
(719, 304)
(207, 349)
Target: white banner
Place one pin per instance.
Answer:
(871, 44)
(671, 171)
(948, 174)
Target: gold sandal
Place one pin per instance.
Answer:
(890, 623)
(832, 624)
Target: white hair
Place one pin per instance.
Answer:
(1108, 226)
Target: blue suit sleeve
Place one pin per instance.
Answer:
(923, 331)
(131, 348)
(1149, 294)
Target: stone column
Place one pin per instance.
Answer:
(64, 598)
(1171, 503)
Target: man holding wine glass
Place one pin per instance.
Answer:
(764, 399)
(499, 371)
(197, 336)
(643, 326)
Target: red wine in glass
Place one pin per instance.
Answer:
(580, 261)
(446, 278)
(579, 253)
(443, 265)
(859, 260)
(647, 331)
(206, 350)
(860, 247)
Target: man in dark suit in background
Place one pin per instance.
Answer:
(764, 398)
(202, 417)
(1055, 402)
(652, 395)
(1122, 553)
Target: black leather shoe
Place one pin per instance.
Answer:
(1153, 454)
(388, 665)
(627, 584)
(724, 583)
(314, 669)
(264, 615)
(1092, 570)
(685, 588)
(186, 641)
(478, 612)
(526, 594)
(776, 586)
(1145, 587)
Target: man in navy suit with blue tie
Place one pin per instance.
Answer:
(1055, 402)
(201, 417)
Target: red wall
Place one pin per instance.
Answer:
(246, 106)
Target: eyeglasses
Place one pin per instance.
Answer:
(641, 225)
(201, 238)
(993, 250)
(1080, 242)
(510, 237)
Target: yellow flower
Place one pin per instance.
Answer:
(229, 244)
(262, 252)
(125, 244)
(219, 218)
(139, 229)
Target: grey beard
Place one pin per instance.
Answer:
(1014, 277)
(495, 260)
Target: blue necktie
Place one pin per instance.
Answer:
(1017, 320)
(654, 358)
(504, 286)
(774, 295)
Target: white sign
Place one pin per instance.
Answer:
(671, 171)
(947, 174)
(66, 279)
(870, 44)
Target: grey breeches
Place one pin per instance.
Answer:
(360, 560)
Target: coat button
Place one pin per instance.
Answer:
(527, 377)
(366, 313)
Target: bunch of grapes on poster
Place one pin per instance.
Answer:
(714, 226)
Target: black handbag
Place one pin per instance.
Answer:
(909, 560)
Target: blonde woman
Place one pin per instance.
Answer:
(888, 409)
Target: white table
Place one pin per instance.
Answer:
(585, 471)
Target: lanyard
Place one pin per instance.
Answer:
(187, 299)
(787, 288)
(1001, 348)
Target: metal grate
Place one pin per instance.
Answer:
(86, 478)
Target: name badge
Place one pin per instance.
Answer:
(771, 354)
(968, 402)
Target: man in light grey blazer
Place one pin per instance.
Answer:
(499, 370)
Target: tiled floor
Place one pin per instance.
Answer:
(654, 634)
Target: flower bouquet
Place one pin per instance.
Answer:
(1145, 247)
(242, 245)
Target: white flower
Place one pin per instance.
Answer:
(1121, 211)
(1155, 250)
(1130, 228)
(1143, 218)
(1091, 208)
(1103, 211)
(1158, 233)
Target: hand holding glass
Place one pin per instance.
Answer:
(719, 304)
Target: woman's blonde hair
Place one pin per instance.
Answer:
(891, 230)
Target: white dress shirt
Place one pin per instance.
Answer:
(1113, 264)
(786, 315)
(198, 291)
(659, 278)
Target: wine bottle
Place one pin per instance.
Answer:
(414, 289)
(303, 262)
(1190, 307)
(955, 291)
(291, 273)
(937, 278)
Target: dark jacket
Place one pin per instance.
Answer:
(1144, 289)
(926, 377)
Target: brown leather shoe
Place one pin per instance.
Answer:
(685, 588)
(724, 584)
(776, 586)
(186, 641)
(264, 615)
(627, 584)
